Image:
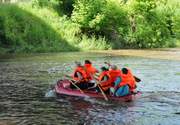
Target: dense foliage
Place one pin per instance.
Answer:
(104, 18)
(131, 24)
(64, 25)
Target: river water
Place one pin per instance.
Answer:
(24, 80)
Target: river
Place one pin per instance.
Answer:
(25, 78)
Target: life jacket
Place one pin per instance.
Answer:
(114, 74)
(106, 84)
(128, 79)
(90, 71)
(81, 70)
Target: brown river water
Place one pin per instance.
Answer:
(25, 78)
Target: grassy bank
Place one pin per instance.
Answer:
(69, 25)
(24, 28)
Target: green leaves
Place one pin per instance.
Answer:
(101, 18)
(126, 24)
(88, 13)
(89, 24)
(151, 19)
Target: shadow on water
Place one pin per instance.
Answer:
(25, 80)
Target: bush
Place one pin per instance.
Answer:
(63, 7)
(128, 24)
(101, 18)
(67, 6)
(151, 23)
(45, 3)
(85, 11)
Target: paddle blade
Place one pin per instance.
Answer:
(137, 79)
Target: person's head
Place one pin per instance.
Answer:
(78, 63)
(114, 67)
(124, 70)
(87, 62)
(104, 68)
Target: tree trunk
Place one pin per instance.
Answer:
(133, 23)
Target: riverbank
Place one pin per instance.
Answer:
(166, 53)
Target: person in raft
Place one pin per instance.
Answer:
(107, 78)
(90, 70)
(124, 84)
(104, 80)
(114, 72)
(79, 76)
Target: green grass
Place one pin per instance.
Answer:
(31, 29)
(23, 31)
(178, 43)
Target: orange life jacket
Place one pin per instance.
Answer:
(114, 74)
(128, 79)
(90, 70)
(81, 70)
(106, 84)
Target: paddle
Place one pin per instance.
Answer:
(136, 78)
(74, 84)
(104, 95)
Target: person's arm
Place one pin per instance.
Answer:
(105, 78)
(96, 70)
(109, 65)
(79, 76)
(116, 83)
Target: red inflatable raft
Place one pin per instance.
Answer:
(62, 87)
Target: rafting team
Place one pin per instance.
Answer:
(111, 80)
